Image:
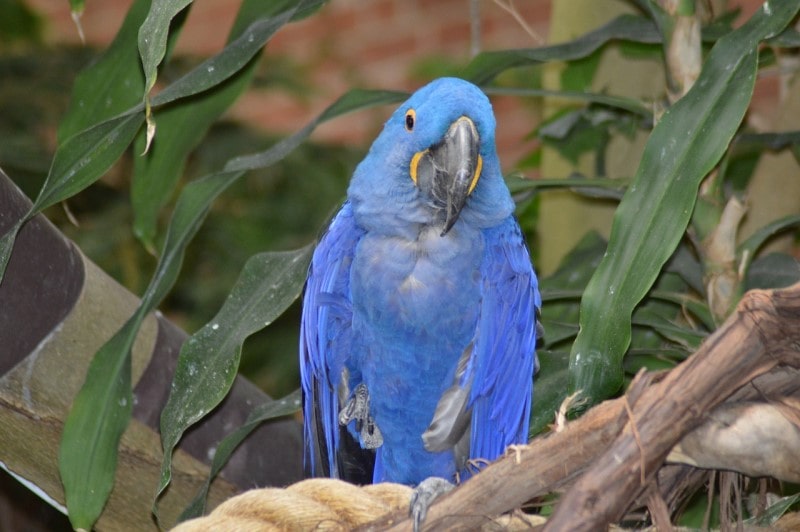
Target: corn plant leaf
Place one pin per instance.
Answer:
(488, 65)
(209, 359)
(260, 414)
(112, 84)
(78, 163)
(87, 456)
(652, 217)
(182, 124)
(153, 35)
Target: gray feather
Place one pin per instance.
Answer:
(451, 419)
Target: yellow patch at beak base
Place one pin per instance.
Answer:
(477, 175)
(415, 163)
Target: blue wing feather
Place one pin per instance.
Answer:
(326, 339)
(503, 357)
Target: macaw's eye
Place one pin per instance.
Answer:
(411, 116)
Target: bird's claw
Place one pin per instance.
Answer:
(357, 409)
(423, 496)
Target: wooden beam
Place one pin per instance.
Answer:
(56, 309)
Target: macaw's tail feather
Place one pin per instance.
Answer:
(355, 464)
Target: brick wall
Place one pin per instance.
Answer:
(375, 43)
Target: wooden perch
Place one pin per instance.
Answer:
(619, 446)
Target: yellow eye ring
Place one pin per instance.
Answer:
(411, 118)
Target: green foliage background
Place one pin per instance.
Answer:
(222, 207)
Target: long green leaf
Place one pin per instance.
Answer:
(626, 104)
(265, 412)
(746, 251)
(78, 163)
(560, 293)
(774, 270)
(183, 124)
(350, 101)
(613, 186)
(652, 217)
(111, 85)
(697, 308)
(153, 35)
(87, 456)
(488, 65)
(772, 141)
(774, 512)
(687, 337)
(227, 63)
(84, 157)
(209, 360)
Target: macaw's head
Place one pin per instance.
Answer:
(434, 163)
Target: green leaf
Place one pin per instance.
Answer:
(747, 250)
(548, 389)
(270, 410)
(601, 186)
(652, 217)
(230, 60)
(488, 65)
(619, 102)
(561, 291)
(83, 158)
(111, 85)
(153, 36)
(689, 338)
(775, 270)
(685, 265)
(697, 308)
(88, 477)
(7, 245)
(350, 101)
(774, 512)
(87, 456)
(560, 295)
(209, 359)
(79, 162)
(788, 38)
(183, 124)
(652, 359)
(773, 141)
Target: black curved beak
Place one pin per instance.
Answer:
(449, 170)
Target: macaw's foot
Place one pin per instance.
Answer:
(357, 408)
(424, 495)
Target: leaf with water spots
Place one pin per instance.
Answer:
(650, 221)
(264, 412)
(182, 124)
(110, 85)
(209, 360)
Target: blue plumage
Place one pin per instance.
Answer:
(419, 318)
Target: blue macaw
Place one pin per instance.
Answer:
(419, 323)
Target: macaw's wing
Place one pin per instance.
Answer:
(325, 344)
(503, 355)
